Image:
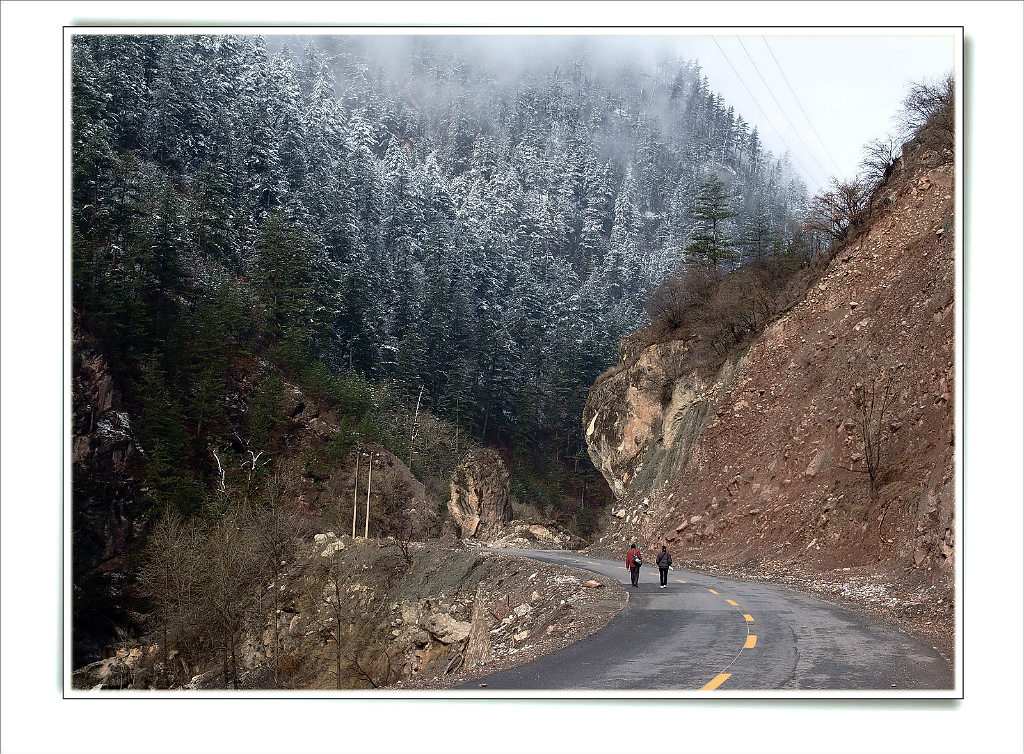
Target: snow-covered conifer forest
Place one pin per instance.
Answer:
(401, 212)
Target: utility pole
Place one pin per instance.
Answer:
(415, 426)
(369, 480)
(355, 490)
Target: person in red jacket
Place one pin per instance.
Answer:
(633, 562)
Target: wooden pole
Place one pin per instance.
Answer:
(415, 427)
(355, 490)
(369, 480)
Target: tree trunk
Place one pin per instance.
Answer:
(234, 667)
(337, 642)
(167, 678)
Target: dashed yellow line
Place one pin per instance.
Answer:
(680, 581)
(750, 643)
(717, 681)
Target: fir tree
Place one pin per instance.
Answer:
(712, 241)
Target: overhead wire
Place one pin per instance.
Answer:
(807, 173)
(810, 152)
(797, 100)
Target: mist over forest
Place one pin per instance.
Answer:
(458, 214)
(440, 239)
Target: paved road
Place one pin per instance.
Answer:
(709, 632)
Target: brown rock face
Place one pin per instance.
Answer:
(765, 461)
(645, 417)
(104, 456)
(479, 504)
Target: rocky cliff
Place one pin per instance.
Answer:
(479, 502)
(763, 462)
(113, 508)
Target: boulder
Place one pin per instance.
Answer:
(522, 610)
(110, 673)
(539, 532)
(332, 548)
(446, 629)
(479, 502)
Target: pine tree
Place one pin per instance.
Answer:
(758, 238)
(712, 242)
(283, 254)
(432, 222)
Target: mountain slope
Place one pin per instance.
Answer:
(762, 466)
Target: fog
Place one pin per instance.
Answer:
(819, 97)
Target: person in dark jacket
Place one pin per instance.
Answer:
(634, 568)
(664, 561)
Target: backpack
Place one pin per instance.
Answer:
(637, 560)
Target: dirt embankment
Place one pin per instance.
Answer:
(763, 468)
(364, 614)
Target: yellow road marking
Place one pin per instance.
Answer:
(751, 641)
(716, 682)
(680, 581)
(749, 618)
(712, 591)
(732, 603)
(591, 562)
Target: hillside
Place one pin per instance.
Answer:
(288, 253)
(760, 464)
(350, 614)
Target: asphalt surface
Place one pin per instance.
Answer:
(686, 637)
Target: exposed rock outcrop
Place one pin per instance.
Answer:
(104, 455)
(446, 614)
(479, 502)
(641, 421)
(765, 462)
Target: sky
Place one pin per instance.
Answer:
(820, 97)
(849, 87)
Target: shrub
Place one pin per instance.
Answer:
(835, 209)
(677, 296)
(929, 114)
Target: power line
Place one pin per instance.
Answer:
(797, 100)
(807, 172)
(810, 152)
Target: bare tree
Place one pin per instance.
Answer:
(364, 670)
(236, 568)
(331, 598)
(880, 156)
(343, 621)
(402, 539)
(929, 113)
(274, 532)
(875, 397)
(676, 296)
(835, 209)
(170, 579)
